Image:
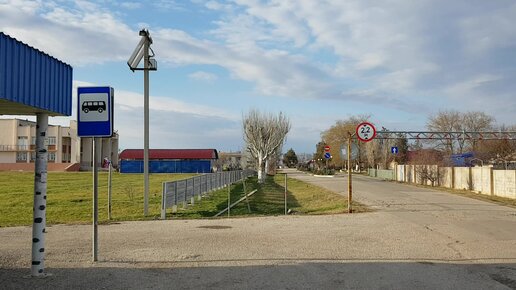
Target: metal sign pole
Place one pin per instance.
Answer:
(350, 188)
(146, 128)
(40, 198)
(109, 190)
(95, 201)
(285, 194)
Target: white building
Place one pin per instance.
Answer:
(18, 143)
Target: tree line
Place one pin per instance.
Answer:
(377, 153)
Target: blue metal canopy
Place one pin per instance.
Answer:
(32, 81)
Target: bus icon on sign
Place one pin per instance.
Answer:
(99, 106)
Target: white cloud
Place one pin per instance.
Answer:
(83, 34)
(203, 76)
(131, 5)
(173, 123)
(215, 5)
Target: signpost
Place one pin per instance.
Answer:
(95, 119)
(365, 132)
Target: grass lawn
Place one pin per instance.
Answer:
(302, 198)
(69, 198)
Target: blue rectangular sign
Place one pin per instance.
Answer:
(95, 111)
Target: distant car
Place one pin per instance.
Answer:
(99, 106)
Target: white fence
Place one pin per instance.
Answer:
(482, 180)
(184, 191)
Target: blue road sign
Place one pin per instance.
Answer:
(394, 150)
(95, 111)
(327, 155)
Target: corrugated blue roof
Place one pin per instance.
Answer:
(32, 81)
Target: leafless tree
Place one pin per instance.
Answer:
(446, 121)
(426, 162)
(454, 121)
(264, 134)
(337, 135)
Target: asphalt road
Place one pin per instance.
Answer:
(415, 239)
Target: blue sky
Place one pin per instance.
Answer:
(318, 61)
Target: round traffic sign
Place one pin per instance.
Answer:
(366, 132)
(326, 148)
(327, 155)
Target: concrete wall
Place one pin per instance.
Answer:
(482, 180)
(462, 178)
(446, 177)
(481, 177)
(382, 173)
(505, 183)
(7, 157)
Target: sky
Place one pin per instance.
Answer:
(317, 61)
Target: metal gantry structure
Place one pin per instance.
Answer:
(464, 135)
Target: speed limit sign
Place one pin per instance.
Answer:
(366, 132)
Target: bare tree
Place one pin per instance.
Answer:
(264, 135)
(337, 135)
(426, 162)
(454, 121)
(371, 152)
(446, 121)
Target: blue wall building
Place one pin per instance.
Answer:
(169, 160)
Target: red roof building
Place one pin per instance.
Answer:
(170, 154)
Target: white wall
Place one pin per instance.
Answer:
(483, 180)
(505, 183)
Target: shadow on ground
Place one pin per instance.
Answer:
(287, 275)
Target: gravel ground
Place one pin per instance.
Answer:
(403, 249)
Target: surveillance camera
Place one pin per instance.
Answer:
(137, 54)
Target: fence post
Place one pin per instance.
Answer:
(164, 201)
(186, 194)
(453, 177)
(470, 179)
(229, 200)
(192, 198)
(174, 207)
(245, 192)
(200, 188)
(491, 181)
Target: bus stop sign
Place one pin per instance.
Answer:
(95, 111)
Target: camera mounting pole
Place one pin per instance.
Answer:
(149, 63)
